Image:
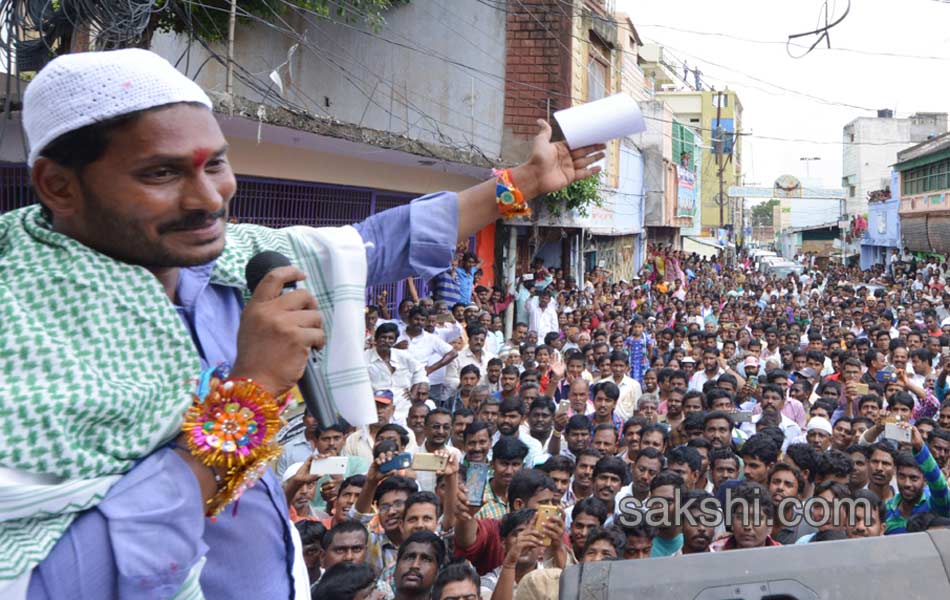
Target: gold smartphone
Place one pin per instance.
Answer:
(424, 461)
(862, 388)
(546, 511)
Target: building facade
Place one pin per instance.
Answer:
(925, 196)
(883, 234)
(710, 112)
(870, 146)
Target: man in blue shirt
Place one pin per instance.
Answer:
(149, 185)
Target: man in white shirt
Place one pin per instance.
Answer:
(711, 369)
(630, 389)
(393, 369)
(542, 314)
(474, 354)
(430, 350)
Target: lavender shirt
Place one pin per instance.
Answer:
(147, 533)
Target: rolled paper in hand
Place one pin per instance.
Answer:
(600, 121)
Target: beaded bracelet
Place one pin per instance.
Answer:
(232, 429)
(510, 200)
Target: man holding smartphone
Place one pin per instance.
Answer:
(921, 484)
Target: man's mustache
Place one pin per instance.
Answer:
(194, 220)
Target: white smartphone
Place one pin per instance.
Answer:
(898, 434)
(334, 465)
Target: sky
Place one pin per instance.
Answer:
(838, 76)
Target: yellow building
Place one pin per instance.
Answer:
(699, 110)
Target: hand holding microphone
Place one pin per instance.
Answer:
(279, 326)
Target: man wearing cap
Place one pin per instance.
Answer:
(124, 284)
(818, 433)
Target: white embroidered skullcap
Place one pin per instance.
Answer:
(75, 90)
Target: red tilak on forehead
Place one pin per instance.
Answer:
(199, 157)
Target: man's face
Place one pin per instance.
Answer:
(458, 429)
(644, 470)
(637, 548)
(693, 404)
(783, 484)
(580, 527)
(841, 435)
(578, 395)
(416, 420)
(476, 342)
(584, 471)
(488, 413)
(723, 470)
(900, 358)
(749, 529)
(416, 323)
(329, 442)
(943, 418)
(494, 373)
(682, 469)
(861, 471)
(881, 468)
(562, 480)
(578, 439)
(385, 341)
(347, 547)
(901, 411)
(674, 404)
(384, 412)
(438, 428)
(518, 334)
(509, 422)
(598, 551)
(392, 506)
(540, 422)
(304, 496)
(509, 382)
(603, 405)
(468, 381)
(710, 362)
(865, 523)
(477, 446)
(415, 571)
(910, 483)
(159, 195)
(606, 486)
(718, 433)
(652, 439)
(755, 469)
(819, 440)
(347, 498)
(420, 517)
(771, 401)
(940, 448)
(799, 362)
(696, 538)
(618, 368)
(648, 410)
(604, 440)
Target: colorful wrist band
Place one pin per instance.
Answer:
(511, 202)
(232, 430)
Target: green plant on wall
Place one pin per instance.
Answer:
(579, 196)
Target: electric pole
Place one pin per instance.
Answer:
(719, 150)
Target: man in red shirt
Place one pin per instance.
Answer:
(480, 541)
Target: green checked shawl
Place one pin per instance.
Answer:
(97, 367)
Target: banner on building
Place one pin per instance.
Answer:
(685, 193)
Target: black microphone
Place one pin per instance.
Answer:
(259, 266)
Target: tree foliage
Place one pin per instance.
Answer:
(579, 196)
(762, 213)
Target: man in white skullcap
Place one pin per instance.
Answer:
(125, 286)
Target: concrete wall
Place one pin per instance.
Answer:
(657, 149)
(350, 74)
(867, 159)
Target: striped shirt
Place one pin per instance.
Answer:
(445, 287)
(935, 497)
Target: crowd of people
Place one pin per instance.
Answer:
(691, 380)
